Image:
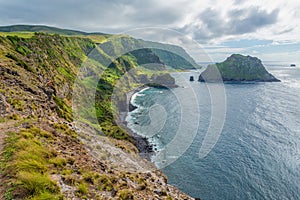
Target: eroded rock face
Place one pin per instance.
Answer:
(4, 106)
(237, 68)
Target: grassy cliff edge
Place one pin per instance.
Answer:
(44, 156)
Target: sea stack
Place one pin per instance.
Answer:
(237, 68)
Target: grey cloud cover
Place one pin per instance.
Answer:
(89, 15)
(238, 21)
(204, 21)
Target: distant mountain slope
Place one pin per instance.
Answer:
(172, 55)
(238, 68)
(44, 29)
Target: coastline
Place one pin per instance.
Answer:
(146, 150)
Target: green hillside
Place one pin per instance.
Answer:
(41, 28)
(44, 154)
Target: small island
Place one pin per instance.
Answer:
(237, 68)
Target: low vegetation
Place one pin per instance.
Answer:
(43, 156)
(26, 161)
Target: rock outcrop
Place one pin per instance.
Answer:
(237, 68)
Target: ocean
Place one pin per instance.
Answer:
(257, 151)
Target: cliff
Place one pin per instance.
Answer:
(237, 68)
(44, 155)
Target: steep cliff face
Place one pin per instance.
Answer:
(43, 155)
(174, 56)
(237, 68)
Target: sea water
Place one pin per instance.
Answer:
(257, 155)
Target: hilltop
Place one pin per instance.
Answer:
(44, 29)
(237, 68)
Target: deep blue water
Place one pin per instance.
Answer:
(257, 155)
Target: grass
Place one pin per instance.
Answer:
(8, 194)
(20, 62)
(14, 117)
(105, 183)
(47, 196)
(65, 73)
(83, 188)
(36, 183)
(126, 194)
(63, 110)
(27, 161)
(18, 34)
(58, 161)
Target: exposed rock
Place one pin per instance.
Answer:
(131, 107)
(4, 106)
(237, 68)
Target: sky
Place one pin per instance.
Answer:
(267, 29)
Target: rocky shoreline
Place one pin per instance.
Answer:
(146, 150)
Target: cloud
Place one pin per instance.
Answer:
(210, 23)
(91, 15)
(249, 20)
